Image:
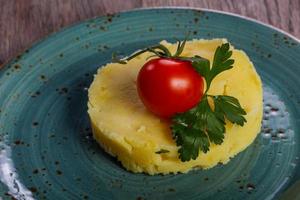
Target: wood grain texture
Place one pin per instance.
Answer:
(23, 22)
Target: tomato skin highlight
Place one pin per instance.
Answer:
(168, 86)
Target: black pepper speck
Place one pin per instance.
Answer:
(35, 123)
(17, 142)
(17, 66)
(58, 172)
(33, 189)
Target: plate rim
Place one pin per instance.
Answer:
(37, 42)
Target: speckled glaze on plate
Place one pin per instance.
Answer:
(47, 151)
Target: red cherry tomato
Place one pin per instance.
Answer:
(168, 86)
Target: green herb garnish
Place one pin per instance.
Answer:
(196, 128)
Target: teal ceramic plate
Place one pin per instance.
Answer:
(47, 151)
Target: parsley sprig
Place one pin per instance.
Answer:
(204, 124)
(195, 129)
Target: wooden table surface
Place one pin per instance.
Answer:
(23, 22)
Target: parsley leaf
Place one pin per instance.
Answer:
(221, 63)
(162, 151)
(230, 107)
(190, 139)
(196, 128)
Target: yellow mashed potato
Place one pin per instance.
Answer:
(126, 129)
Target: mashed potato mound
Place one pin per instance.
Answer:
(127, 130)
